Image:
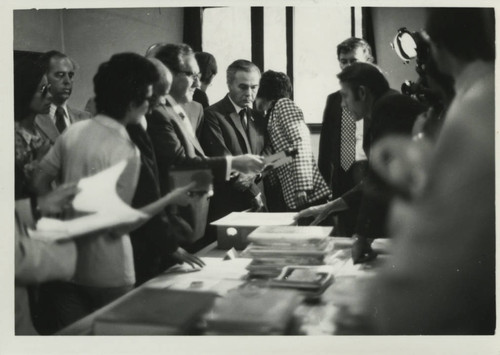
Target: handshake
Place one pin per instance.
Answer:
(247, 164)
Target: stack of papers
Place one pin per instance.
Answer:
(313, 280)
(273, 248)
(104, 208)
(253, 311)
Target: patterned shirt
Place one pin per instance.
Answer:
(288, 130)
(30, 146)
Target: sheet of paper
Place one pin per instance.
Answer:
(251, 219)
(98, 188)
(214, 271)
(94, 190)
(55, 229)
(276, 160)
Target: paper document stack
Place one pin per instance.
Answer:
(98, 198)
(274, 247)
(312, 280)
(153, 311)
(253, 311)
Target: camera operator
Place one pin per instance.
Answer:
(441, 278)
(433, 87)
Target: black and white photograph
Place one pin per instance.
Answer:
(281, 177)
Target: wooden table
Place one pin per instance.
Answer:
(341, 303)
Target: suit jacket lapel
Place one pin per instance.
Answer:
(73, 116)
(234, 117)
(188, 136)
(252, 134)
(45, 124)
(239, 127)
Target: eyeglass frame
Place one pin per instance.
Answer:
(44, 90)
(190, 74)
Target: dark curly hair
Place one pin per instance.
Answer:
(122, 80)
(208, 66)
(274, 86)
(27, 76)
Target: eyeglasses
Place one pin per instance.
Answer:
(44, 90)
(190, 74)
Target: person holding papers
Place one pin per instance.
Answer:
(300, 180)
(105, 268)
(39, 261)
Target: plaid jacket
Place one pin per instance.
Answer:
(287, 129)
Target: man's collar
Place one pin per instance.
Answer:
(236, 107)
(53, 109)
(171, 100)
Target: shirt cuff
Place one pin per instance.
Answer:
(229, 162)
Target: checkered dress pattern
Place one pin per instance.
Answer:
(288, 130)
(347, 140)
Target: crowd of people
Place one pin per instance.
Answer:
(153, 112)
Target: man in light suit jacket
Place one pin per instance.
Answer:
(60, 72)
(175, 123)
(232, 128)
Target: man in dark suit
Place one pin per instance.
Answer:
(341, 159)
(232, 128)
(175, 123)
(366, 93)
(60, 72)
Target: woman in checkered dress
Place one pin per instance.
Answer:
(301, 182)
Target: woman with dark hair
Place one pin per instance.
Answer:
(208, 70)
(31, 97)
(300, 180)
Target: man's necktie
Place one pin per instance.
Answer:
(244, 119)
(347, 140)
(60, 121)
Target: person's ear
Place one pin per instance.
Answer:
(362, 93)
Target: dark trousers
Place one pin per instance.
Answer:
(63, 303)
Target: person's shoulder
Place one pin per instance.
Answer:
(286, 104)
(218, 107)
(333, 95)
(79, 114)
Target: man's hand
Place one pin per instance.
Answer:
(258, 204)
(361, 250)
(183, 256)
(243, 182)
(57, 201)
(181, 196)
(322, 211)
(247, 164)
(300, 198)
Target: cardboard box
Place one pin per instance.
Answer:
(233, 229)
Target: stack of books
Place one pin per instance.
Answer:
(151, 311)
(311, 280)
(253, 311)
(274, 247)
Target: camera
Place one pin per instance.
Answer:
(432, 88)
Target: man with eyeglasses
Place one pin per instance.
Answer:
(174, 124)
(60, 73)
